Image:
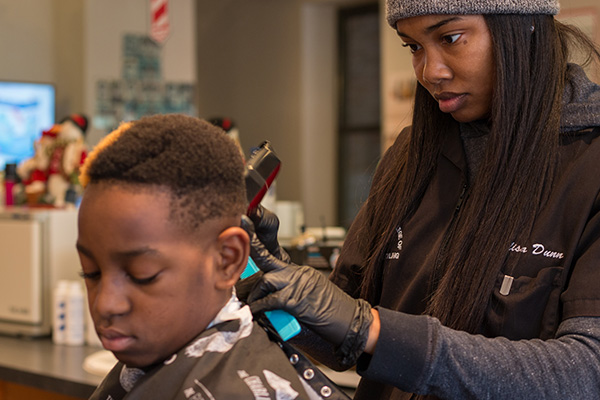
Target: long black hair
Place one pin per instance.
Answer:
(514, 179)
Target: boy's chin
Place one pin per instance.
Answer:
(139, 361)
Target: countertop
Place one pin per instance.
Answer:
(41, 364)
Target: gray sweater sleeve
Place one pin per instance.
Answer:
(428, 358)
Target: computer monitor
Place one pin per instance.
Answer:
(26, 110)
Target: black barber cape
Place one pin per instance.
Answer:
(233, 359)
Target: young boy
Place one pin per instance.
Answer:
(161, 248)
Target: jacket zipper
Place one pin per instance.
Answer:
(436, 273)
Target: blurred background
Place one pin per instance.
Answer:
(326, 81)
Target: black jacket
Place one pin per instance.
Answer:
(557, 275)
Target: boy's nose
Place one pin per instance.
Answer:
(110, 299)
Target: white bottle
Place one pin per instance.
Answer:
(335, 254)
(91, 337)
(75, 315)
(59, 313)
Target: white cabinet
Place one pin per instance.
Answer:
(37, 248)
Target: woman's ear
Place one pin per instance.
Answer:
(234, 250)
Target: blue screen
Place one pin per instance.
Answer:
(26, 109)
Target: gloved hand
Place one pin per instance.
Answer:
(315, 301)
(266, 227)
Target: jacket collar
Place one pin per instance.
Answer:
(581, 101)
(452, 148)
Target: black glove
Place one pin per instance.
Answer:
(266, 227)
(243, 287)
(315, 301)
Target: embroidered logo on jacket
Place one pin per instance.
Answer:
(395, 255)
(400, 237)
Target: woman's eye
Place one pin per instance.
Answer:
(450, 39)
(413, 47)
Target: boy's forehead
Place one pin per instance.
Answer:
(112, 185)
(153, 203)
(122, 200)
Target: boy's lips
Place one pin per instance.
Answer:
(114, 340)
(450, 102)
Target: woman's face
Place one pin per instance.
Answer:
(452, 58)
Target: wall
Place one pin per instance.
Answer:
(272, 66)
(574, 4)
(42, 42)
(318, 113)
(72, 43)
(107, 21)
(26, 29)
(249, 69)
(68, 49)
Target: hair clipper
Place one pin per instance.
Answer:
(261, 170)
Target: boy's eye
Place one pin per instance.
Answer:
(92, 276)
(142, 281)
(450, 39)
(413, 47)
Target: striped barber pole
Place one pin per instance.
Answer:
(159, 20)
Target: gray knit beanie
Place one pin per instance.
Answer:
(399, 9)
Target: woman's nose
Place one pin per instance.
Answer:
(435, 68)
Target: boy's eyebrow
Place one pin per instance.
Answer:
(138, 252)
(123, 254)
(80, 248)
(433, 27)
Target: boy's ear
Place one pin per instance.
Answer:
(234, 249)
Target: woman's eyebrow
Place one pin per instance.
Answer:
(433, 27)
(441, 23)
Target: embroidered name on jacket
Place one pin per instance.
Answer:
(537, 249)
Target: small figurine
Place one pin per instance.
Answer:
(54, 167)
(230, 128)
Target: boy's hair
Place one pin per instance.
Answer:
(195, 162)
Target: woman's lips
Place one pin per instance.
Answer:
(450, 102)
(115, 341)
